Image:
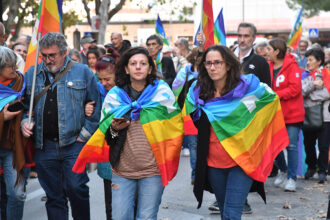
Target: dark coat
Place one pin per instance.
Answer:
(168, 70)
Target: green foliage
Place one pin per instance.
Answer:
(311, 7)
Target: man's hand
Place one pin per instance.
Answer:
(201, 39)
(89, 108)
(318, 83)
(8, 115)
(26, 129)
(80, 140)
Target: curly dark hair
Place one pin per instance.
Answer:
(206, 84)
(122, 78)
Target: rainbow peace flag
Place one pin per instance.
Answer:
(207, 23)
(296, 31)
(49, 19)
(180, 79)
(248, 122)
(160, 31)
(161, 121)
(219, 30)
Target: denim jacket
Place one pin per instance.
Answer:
(77, 87)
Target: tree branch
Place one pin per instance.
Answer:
(87, 11)
(116, 9)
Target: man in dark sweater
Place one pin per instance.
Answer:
(165, 65)
(252, 63)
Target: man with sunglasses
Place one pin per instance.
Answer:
(60, 127)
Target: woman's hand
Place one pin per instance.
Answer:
(318, 83)
(89, 108)
(8, 115)
(119, 124)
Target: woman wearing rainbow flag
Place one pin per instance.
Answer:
(238, 119)
(12, 159)
(142, 125)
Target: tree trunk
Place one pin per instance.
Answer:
(103, 13)
(13, 11)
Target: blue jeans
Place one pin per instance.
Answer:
(190, 142)
(231, 187)
(54, 167)
(293, 154)
(148, 192)
(15, 199)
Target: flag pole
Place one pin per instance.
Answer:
(201, 26)
(34, 80)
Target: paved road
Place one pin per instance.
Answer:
(308, 203)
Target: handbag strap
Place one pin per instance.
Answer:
(57, 78)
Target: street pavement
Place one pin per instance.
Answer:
(310, 202)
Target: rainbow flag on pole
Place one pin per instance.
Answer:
(161, 120)
(49, 19)
(296, 31)
(219, 30)
(207, 23)
(160, 31)
(248, 122)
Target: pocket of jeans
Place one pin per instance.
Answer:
(77, 89)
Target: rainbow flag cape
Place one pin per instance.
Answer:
(49, 19)
(180, 79)
(160, 30)
(207, 23)
(219, 30)
(161, 121)
(296, 31)
(248, 122)
(8, 95)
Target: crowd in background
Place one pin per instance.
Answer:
(299, 78)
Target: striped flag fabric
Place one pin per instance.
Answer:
(296, 31)
(49, 19)
(161, 121)
(249, 124)
(160, 31)
(219, 30)
(198, 30)
(208, 23)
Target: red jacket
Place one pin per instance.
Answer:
(287, 86)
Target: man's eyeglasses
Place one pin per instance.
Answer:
(217, 64)
(50, 56)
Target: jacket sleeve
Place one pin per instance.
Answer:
(294, 84)
(307, 86)
(91, 122)
(320, 95)
(171, 73)
(264, 72)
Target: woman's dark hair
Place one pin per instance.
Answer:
(317, 53)
(122, 78)
(233, 74)
(280, 45)
(111, 58)
(93, 50)
(192, 56)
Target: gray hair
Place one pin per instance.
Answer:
(7, 58)
(74, 52)
(54, 38)
(261, 44)
(2, 28)
(184, 42)
(248, 25)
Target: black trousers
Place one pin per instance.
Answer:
(108, 198)
(323, 138)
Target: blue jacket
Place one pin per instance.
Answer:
(76, 88)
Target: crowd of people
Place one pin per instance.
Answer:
(238, 111)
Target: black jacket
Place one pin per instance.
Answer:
(201, 178)
(258, 66)
(168, 70)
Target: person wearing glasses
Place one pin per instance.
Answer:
(228, 109)
(60, 127)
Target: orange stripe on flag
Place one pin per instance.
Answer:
(167, 150)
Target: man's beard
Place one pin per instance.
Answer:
(52, 69)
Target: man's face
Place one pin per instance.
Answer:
(3, 38)
(245, 38)
(153, 47)
(85, 46)
(116, 41)
(302, 46)
(52, 58)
